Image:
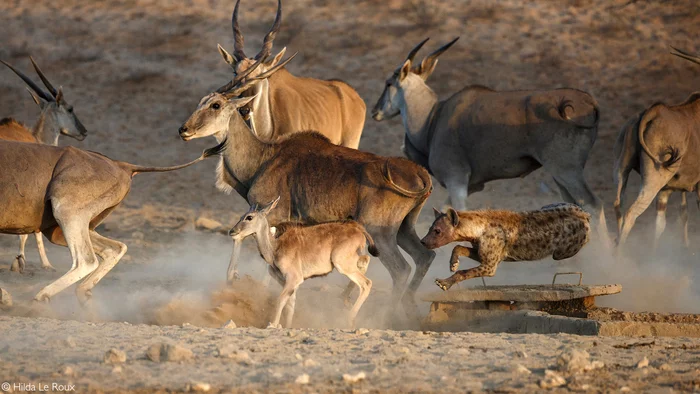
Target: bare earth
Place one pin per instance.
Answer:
(135, 69)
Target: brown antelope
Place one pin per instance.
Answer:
(299, 252)
(321, 182)
(65, 193)
(285, 104)
(478, 134)
(557, 230)
(56, 118)
(663, 145)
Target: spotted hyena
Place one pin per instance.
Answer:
(558, 230)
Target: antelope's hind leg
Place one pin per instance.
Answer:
(20, 261)
(110, 252)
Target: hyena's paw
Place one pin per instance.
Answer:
(443, 284)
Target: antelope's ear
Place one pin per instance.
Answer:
(437, 212)
(59, 95)
(453, 216)
(227, 56)
(36, 98)
(269, 207)
(276, 59)
(405, 69)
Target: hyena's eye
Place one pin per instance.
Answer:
(437, 231)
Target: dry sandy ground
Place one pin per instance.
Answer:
(42, 351)
(135, 70)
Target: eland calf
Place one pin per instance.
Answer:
(298, 252)
(57, 117)
(479, 134)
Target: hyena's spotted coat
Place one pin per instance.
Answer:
(558, 230)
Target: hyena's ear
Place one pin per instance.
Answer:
(437, 212)
(453, 216)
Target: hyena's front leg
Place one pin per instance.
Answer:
(459, 276)
(492, 250)
(465, 251)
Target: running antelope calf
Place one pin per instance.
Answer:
(557, 230)
(298, 252)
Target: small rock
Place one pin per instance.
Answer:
(573, 360)
(67, 371)
(625, 389)
(361, 331)
(115, 356)
(160, 352)
(643, 363)
(520, 354)
(309, 363)
(521, 370)
(5, 299)
(200, 387)
(665, 367)
(137, 235)
(229, 324)
(551, 379)
(298, 357)
(203, 223)
(302, 379)
(404, 350)
(117, 369)
(347, 378)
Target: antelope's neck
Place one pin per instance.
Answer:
(266, 245)
(43, 133)
(418, 109)
(245, 153)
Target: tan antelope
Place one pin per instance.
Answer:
(298, 252)
(478, 134)
(56, 118)
(321, 182)
(663, 145)
(284, 103)
(65, 193)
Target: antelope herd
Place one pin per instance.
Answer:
(288, 145)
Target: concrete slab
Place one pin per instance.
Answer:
(523, 293)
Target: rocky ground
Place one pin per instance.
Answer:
(134, 70)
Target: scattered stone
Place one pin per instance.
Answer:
(298, 357)
(521, 370)
(551, 379)
(404, 350)
(309, 363)
(200, 387)
(520, 354)
(643, 363)
(361, 331)
(67, 370)
(137, 235)
(665, 367)
(203, 223)
(229, 324)
(625, 389)
(117, 369)
(573, 360)
(302, 379)
(161, 352)
(5, 299)
(115, 356)
(351, 379)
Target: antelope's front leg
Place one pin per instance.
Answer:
(459, 251)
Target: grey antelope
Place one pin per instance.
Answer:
(56, 118)
(284, 103)
(663, 145)
(557, 230)
(65, 193)
(299, 252)
(321, 182)
(479, 134)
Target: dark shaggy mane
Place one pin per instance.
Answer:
(7, 121)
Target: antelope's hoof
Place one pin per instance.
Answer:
(84, 296)
(42, 298)
(19, 264)
(454, 266)
(274, 326)
(442, 284)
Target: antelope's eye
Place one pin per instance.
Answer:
(216, 106)
(248, 218)
(437, 231)
(244, 111)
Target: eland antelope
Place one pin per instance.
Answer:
(479, 134)
(299, 252)
(284, 103)
(56, 118)
(663, 145)
(65, 193)
(321, 182)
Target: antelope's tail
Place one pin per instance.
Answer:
(408, 193)
(672, 152)
(135, 169)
